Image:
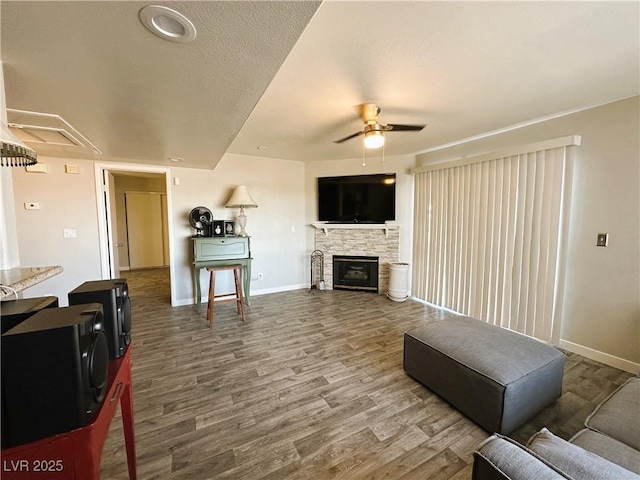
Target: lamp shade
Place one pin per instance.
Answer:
(240, 198)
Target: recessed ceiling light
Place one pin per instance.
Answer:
(167, 23)
(175, 159)
(262, 147)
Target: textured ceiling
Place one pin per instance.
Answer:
(288, 76)
(135, 95)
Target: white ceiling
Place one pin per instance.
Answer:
(288, 76)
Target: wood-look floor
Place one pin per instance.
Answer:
(310, 387)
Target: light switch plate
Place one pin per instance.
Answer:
(603, 240)
(37, 168)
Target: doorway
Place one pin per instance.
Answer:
(111, 181)
(146, 230)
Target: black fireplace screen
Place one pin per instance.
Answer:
(355, 273)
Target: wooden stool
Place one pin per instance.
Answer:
(238, 298)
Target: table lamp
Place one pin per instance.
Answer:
(241, 199)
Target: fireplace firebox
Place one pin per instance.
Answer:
(355, 273)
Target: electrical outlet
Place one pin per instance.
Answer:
(260, 276)
(69, 233)
(32, 206)
(603, 240)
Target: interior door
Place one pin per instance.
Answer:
(165, 229)
(109, 210)
(145, 229)
(113, 228)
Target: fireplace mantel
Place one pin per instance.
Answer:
(357, 226)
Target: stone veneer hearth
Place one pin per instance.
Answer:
(367, 240)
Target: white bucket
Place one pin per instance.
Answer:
(398, 281)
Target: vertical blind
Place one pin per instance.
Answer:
(488, 239)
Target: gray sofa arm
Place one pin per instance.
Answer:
(574, 461)
(500, 458)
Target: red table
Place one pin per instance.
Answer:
(76, 455)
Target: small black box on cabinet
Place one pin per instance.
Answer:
(218, 228)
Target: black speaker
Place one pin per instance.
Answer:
(114, 297)
(54, 372)
(12, 312)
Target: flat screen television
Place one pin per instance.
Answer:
(357, 198)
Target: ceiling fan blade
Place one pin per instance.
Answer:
(404, 128)
(348, 138)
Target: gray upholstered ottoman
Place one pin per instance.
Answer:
(496, 377)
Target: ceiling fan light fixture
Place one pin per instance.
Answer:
(373, 139)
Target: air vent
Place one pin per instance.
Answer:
(48, 134)
(36, 134)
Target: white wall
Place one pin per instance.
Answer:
(66, 201)
(276, 227)
(69, 201)
(601, 317)
(9, 255)
(281, 239)
(400, 165)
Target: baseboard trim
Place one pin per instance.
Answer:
(254, 293)
(182, 302)
(601, 357)
(287, 288)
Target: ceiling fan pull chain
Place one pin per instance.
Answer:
(383, 153)
(364, 156)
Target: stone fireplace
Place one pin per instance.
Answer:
(362, 240)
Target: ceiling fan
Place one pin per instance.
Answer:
(373, 131)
